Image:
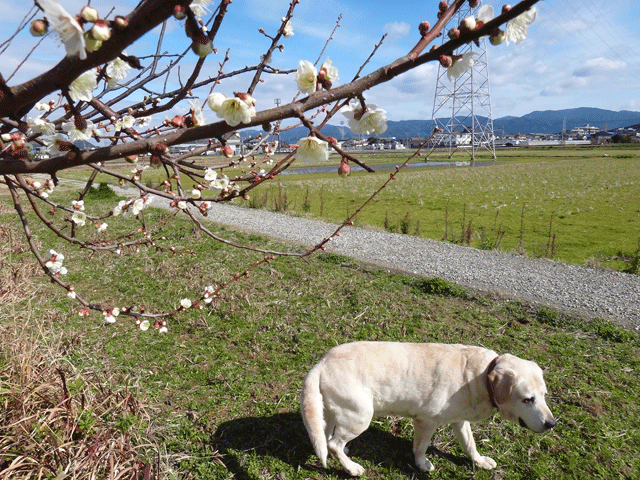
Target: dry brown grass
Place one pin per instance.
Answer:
(57, 421)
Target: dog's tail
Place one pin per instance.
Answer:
(312, 409)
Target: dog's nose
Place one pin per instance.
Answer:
(549, 424)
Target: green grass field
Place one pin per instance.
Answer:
(579, 205)
(217, 396)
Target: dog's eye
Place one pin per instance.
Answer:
(529, 400)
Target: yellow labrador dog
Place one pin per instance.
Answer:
(434, 384)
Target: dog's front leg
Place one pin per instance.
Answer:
(423, 431)
(465, 437)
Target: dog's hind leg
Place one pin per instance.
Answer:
(464, 434)
(423, 431)
(348, 425)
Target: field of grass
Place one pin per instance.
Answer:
(579, 205)
(217, 396)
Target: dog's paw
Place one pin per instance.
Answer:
(486, 462)
(424, 465)
(355, 469)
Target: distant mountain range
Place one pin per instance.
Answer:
(548, 121)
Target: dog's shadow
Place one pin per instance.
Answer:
(283, 436)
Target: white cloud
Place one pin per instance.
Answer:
(599, 65)
(396, 30)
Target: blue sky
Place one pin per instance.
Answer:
(579, 53)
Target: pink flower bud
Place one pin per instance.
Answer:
(179, 12)
(446, 61)
(454, 33)
(227, 151)
(38, 28)
(506, 8)
(120, 22)
(474, 3)
(424, 28)
(344, 169)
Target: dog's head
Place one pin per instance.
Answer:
(519, 391)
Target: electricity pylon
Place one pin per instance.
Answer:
(462, 106)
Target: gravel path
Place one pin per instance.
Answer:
(570, 288)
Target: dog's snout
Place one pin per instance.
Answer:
(549, 424)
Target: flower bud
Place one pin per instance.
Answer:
(89, 13)
(468, 24)
(506, 8)
(91, 44)
(38, 28)
(344, 169)
(131, 158)
(446, 61)
(100, 31)
(474, 3)
(454, 33)
(120, 22)
(179, 12)
(497, 36)
(227, 151)
(443, 5)
(202, 46)
(424, 28)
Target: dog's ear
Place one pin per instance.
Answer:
(501, 383)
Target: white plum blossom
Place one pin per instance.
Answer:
(196, 112)
(516, 29)
(185, 303)
(101, 227)
(110, 315)
(54, 263)
(163, 330)
(75, 134)
(312, 149)
(210, 174)
(196, 193)
(77, 205)
(287, 30)
(66, 26)
(117, 69)
(127, 121)
(306, 77)
(220, 183)
(372, 121)
(138, 205)
(144, 325)
(182, 205)
(234, 110)
(79, 218)
(52, 144)
(484, 14)
(43, 106)
(209, 293)
(215, 99)
(82, 87)
(199, 7)
(41, 125)
(118, 209)
(328, 71)
(460, 65)
(144, 121)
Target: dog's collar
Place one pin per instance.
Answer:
(492, 398)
